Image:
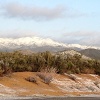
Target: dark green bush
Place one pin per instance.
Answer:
(17, 62)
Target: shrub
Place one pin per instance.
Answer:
(31, 79)
(1, 72)
(47, 62)
(46, 77)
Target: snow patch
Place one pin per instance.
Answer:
(80, 84)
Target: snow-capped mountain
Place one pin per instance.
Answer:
(28, 41)
(37, 44)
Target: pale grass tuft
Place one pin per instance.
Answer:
(49, 70)
(46, 77)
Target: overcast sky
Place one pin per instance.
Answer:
(68, 21)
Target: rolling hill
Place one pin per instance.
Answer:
(92, 53)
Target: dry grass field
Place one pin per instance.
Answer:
(60, 85)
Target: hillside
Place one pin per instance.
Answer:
(92, 53)
(66, 73)
(66, 53)
(61, 85)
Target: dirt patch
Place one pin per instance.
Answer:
(16, 84)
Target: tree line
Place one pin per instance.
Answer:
(18, 62)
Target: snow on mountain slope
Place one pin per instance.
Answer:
(27, 41)
(36, 42)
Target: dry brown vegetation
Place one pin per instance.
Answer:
(46, 77)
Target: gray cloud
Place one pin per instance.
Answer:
(36, 13)
(39, 13)
(82, 37)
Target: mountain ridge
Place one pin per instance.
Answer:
(37, 43)
(92, 53)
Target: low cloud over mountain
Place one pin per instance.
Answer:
(82, 37)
